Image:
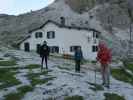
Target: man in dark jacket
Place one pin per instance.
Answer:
(78, 57)
(44, 53)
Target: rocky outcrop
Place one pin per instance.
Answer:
(111, 17)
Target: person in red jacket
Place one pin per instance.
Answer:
(104, 57)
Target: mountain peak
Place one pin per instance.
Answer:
(104, 17)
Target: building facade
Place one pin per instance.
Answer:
(63, 39)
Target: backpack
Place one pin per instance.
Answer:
(44, 48)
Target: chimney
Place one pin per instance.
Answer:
(62, 21)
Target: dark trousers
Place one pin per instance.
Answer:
(77, 65)
(46, 59)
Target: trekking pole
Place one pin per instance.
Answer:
(95, 75)
(95, 72)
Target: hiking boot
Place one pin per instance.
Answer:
(77, 71)
(107, 86)
(103, 83)
(47, 67)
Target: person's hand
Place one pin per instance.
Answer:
(97, 59)
(109, 61)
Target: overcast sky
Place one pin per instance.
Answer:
(15, 7)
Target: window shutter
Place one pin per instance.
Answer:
(53, 34)
(94, 34)
(40, 34)
(88, 39)
(97, 36)
(50, 34)
(96, 48)
(36, 35)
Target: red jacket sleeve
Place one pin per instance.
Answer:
(98, 55)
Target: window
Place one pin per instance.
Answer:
(94, 41)
(27, 47)
(95, 34)
(38, 47)
(91, 16)
(38, 34)
(54, 49)
(88, 39)
(50, 34)
(94, 48)
(73, 48)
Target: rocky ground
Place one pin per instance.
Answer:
(22, 79)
